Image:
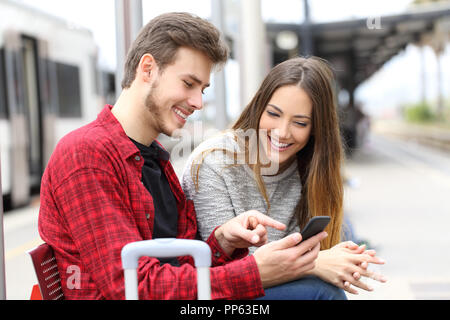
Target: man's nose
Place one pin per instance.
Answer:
(196, 100)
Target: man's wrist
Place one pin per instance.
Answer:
(224, 244)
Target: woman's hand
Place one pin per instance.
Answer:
(246, 230)
(362, 249)
(345, 264)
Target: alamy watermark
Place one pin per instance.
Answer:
(241, 147)
(74, 280)
(374, 23)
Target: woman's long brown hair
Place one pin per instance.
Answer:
(319, 162)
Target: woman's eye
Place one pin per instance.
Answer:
(188, 84)
(272, 114)
(302, 124)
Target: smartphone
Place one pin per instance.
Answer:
(315, 226)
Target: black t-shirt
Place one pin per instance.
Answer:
(155, 181)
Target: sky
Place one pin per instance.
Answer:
(398, 82)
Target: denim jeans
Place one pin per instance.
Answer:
(307, 288)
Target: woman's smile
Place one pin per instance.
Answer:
(278, 146)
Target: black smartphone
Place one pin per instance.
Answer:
(315, 226)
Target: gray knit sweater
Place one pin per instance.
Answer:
(226, 191)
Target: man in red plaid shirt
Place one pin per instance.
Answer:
(110, 183)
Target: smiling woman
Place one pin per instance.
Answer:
(294, 117)
(304, 87)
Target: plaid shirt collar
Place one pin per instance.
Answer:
(125, 147)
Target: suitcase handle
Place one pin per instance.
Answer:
(167, 248)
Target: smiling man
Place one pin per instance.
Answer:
(166, 95)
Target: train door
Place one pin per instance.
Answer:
(32, 109)
(48, 94)
(30, 79)
(18, 153)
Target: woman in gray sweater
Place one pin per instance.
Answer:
(283, 158)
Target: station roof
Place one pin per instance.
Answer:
(358, 48)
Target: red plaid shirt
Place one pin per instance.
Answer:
(93, 203)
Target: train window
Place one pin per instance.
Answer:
(3, 97)
(109, 87)
(69, 93)
(95, 74)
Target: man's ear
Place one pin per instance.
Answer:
(146, 67)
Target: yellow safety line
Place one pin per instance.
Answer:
(13, 253)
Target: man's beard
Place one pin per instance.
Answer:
(155, 111)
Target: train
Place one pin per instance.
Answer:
(50, 84)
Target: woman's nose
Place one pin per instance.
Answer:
(284, 131)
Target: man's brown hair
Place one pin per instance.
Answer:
(163, 35)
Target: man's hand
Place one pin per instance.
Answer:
(246, 230)
(286, 260)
